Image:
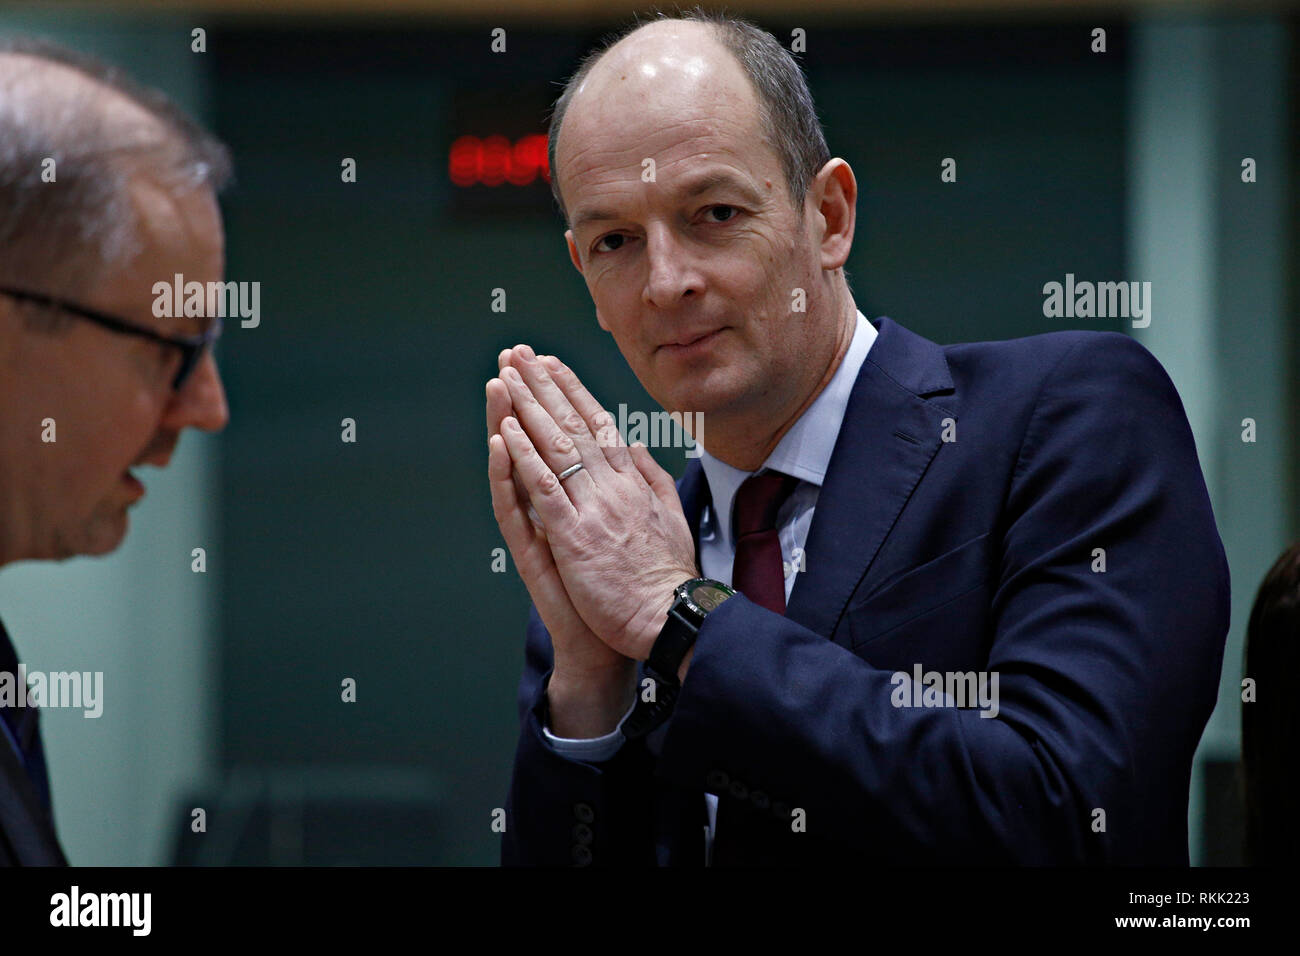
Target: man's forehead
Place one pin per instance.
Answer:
(684, 128)
(698, 181)
(179, 232)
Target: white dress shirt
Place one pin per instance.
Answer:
(804, 452)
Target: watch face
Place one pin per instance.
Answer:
(707, 595)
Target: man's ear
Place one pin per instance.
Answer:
(573, 250)
(834, 196)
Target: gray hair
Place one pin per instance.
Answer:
(58, 237)
(787, 115)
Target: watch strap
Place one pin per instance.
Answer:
(670, 647)
(676, 638)
(647, 715)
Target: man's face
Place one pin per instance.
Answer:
(109, 394)
(666, 264)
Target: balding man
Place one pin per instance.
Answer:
(1008, 635)
(105, 189)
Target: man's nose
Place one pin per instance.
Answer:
(670, 273)
(201, 402)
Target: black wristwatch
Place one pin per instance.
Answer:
(694, 600)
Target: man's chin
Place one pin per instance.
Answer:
(709, 394)
(103, 535)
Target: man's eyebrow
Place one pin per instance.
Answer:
(191, 327)
(720, 179)
(690, 188)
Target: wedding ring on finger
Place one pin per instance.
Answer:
(571, 470)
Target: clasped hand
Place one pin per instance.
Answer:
(605, 547)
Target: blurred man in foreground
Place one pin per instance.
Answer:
(105, 190)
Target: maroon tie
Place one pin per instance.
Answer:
(758, 573)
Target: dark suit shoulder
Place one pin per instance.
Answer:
(1039, 353)
(1013, 372)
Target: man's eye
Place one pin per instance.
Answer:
(730, 214)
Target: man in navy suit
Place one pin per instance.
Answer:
(982, 599)
(105, 189)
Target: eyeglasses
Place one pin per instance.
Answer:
(191, 346)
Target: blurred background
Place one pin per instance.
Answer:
(373, 560)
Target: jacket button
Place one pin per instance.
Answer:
(716, 781)
(581, 855)
(739, 790)
(582, 833)
(584, 813)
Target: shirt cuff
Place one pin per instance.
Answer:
(591, 748)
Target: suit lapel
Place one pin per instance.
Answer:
(887, 440)
(25, 830)
(693, 490)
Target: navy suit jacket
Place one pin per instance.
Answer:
(958, 528)
(27, 836)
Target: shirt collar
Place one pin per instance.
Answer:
(805, 450)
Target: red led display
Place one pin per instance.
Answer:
(495, 161)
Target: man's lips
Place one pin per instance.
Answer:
(132, 482)
(690, 339)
